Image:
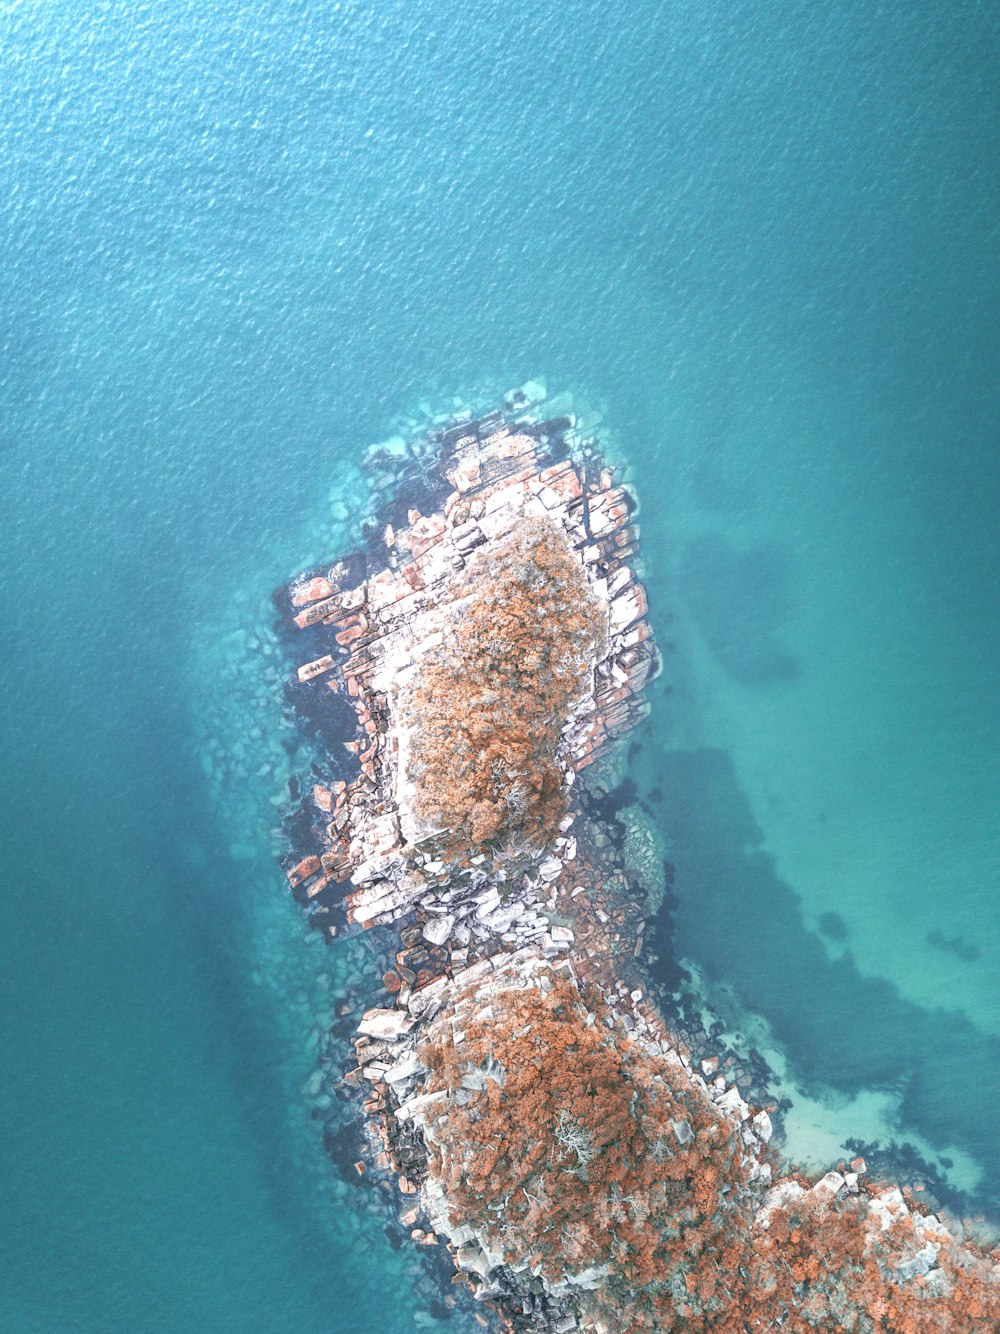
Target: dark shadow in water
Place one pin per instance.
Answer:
(957, 946)
(739, 601)
(833, 926)
(743, 924)
(214, 905)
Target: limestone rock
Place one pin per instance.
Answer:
(438, 929)
(385, 1024)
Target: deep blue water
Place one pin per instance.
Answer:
(235, 241)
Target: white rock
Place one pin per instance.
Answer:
(488, 901)
(553, 944)
(472, 1260)
(778, 1197)
(762, 1125)
(405, 1068)
(437, 931)
(888, 1208)
(386, 1025)
(761, 1172)
(422, 1106)
(919, 1264)
(621, 578)
(827, 1187)
(683, 1131)
(588, 1278)
(549, 869)
(625, 609)
(731, 1101)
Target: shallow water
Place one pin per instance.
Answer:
(235, 242)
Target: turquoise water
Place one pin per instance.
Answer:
(235, 242)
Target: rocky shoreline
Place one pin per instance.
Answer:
(482, 920)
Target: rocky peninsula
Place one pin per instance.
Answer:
(541, 1127)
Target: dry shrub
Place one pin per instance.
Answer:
(573, 1156)
(560, 1147)
(486, 715)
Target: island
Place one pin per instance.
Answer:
(577, 1163)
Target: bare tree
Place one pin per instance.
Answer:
(575, 1137)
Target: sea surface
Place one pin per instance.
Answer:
(236, 241)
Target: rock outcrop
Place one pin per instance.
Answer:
(539, 1120)
(382, 630)
(551, 1214)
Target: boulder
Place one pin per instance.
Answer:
(438, 929)
(920, 1264)
(732, 1102)
(405, 1068)
(315, 668)
(683, 1131)
(828, 1186)
(762, 1125)
(385, 1025)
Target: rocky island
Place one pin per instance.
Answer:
(540, 1125)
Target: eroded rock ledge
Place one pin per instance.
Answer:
(393, 625)
(538, 1119)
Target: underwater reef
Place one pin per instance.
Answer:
(566, 1159)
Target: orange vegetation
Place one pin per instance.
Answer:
(486, 715)
(568, 1148)
(576, 1158)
